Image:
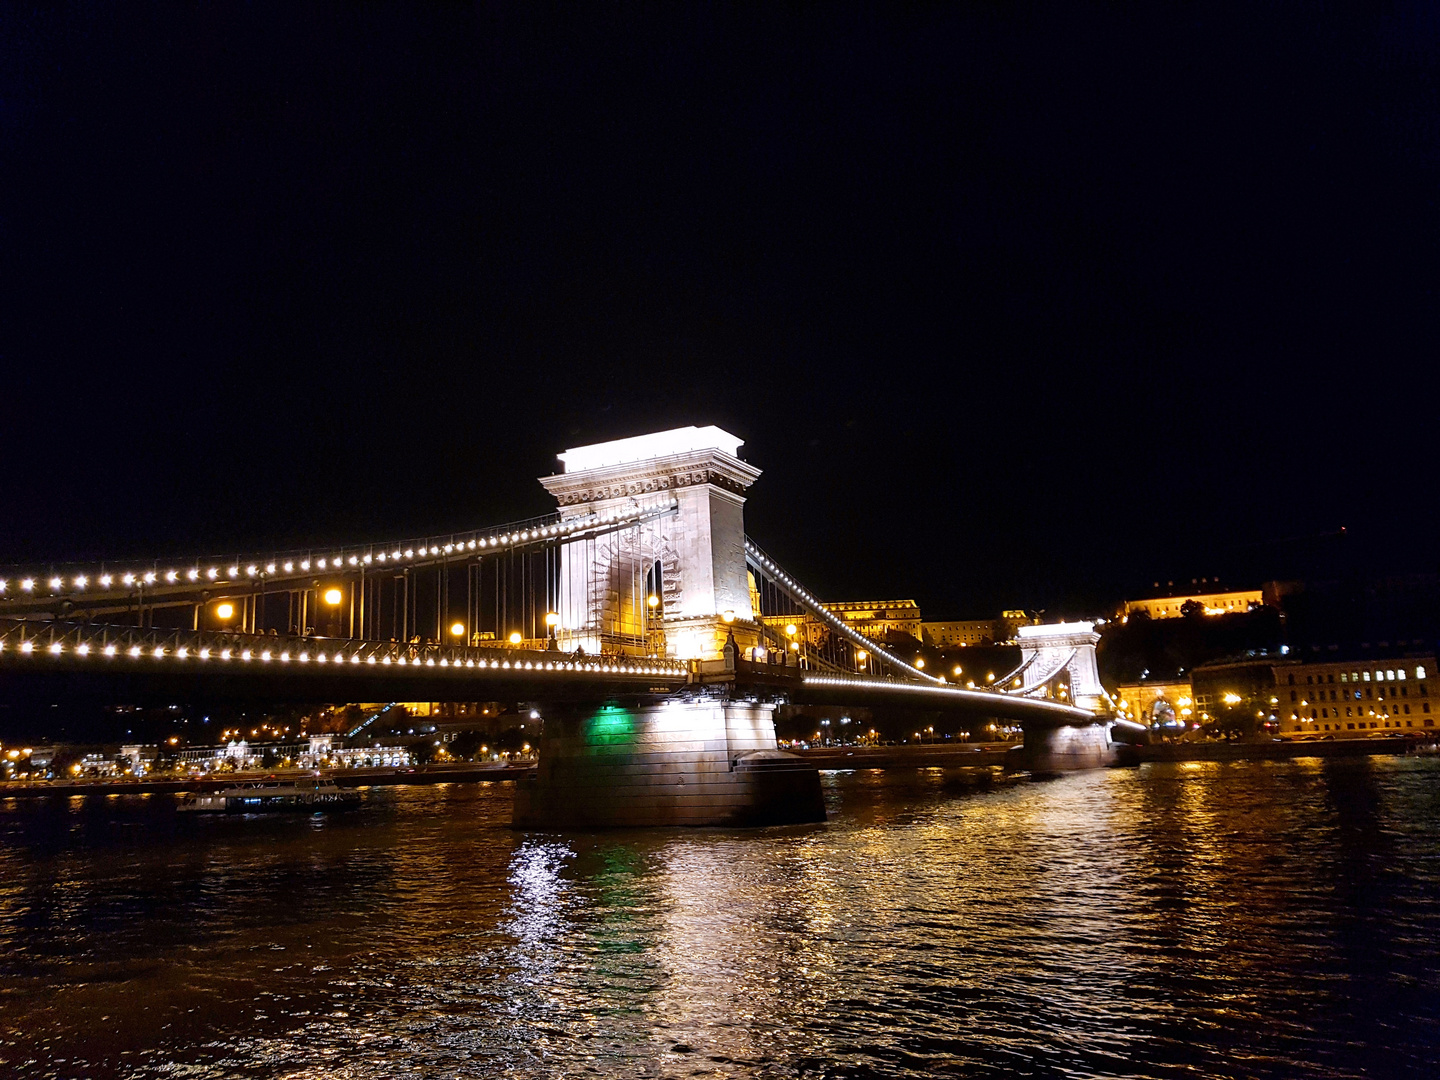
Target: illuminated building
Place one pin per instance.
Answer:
(966, 632)
(962, 632)
(1158, 704)
(878, 618)
(1212, 603)
(1344, 697)
(874, 618)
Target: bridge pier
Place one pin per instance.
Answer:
(1067, 748)
(706, 761)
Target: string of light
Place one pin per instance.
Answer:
(201, 646)
(347, 558)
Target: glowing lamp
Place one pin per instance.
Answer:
(458, 629)
(224, 611)
(333, 597)
(516, 637)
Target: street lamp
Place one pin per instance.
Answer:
(224, 611)
(333, 597)
(860, 655)
(516, 637)
(457, 629)
(652, 601)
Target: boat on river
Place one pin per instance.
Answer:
(273, 796)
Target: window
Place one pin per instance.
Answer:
(1310, 679)
(1367, 676)
(1400, 674)
(1420, 672)
(1390, 674)
(1407, 710)
(1291, 678)
(1350, 726)
(1330, 677)
(1347, 712)
(1294, 695)
(1342, 676)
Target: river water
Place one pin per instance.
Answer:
(1236, 919)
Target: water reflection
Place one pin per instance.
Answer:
(1222, 919)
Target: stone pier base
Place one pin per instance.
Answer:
(706, 762)
(1065, 749)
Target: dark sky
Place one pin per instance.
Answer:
(1015, 305)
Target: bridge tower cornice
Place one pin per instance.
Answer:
(633, 479)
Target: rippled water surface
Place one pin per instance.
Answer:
(1265, 919)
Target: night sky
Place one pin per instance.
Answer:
(1015, 305)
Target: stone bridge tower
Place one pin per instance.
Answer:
(1048, 650)
(696, 553)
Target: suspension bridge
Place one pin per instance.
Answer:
(657, 637)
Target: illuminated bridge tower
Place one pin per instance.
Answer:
(692, 561)
(1064, 649)
(706, 756)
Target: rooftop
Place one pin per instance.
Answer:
(659, 444)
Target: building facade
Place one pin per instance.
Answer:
(878, 618)
(959, 633)
(1213, 603)
(1161, 705)
(1346, 698)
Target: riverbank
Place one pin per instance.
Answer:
(1271, 751)
(972, 755)
(449, 773)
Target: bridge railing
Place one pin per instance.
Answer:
(22, 641)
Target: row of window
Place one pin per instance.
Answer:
(1381, 675)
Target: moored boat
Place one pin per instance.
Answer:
(273, 796)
